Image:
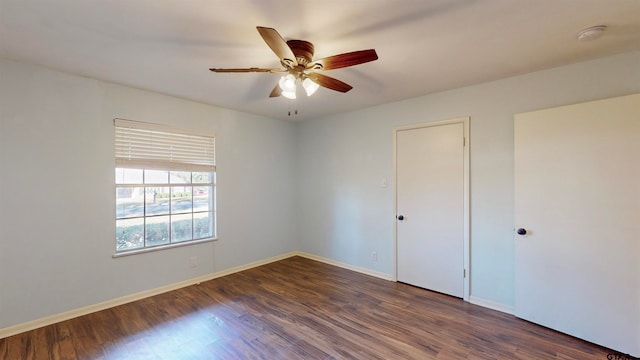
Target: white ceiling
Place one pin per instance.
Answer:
(423, 46)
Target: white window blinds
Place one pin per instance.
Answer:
(151, 146)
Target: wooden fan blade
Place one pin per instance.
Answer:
(344, 60)
(278, 45)
(247, 70)
(329, 82)
(276, 91)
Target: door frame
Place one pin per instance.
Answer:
(466, 215)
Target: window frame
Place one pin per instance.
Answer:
(150, 147)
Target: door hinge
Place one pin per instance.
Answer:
(464, 141)
(464, 273)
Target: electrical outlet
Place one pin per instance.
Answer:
(194, 261)
(374, 256)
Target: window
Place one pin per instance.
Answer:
(165, 186)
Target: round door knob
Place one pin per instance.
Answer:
(521, 231)
(400, 217)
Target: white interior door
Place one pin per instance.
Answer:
(577, 194)
(430, 203)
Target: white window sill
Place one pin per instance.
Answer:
(161, 247)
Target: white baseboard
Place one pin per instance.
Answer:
(52, 319)
(491, 305)
(67, 315)
(365, 271)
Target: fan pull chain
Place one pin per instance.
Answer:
(295, 111)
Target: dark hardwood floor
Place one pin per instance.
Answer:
(297, 309)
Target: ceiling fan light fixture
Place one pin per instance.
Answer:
(289, 94)
(288, 85)
(309, 86)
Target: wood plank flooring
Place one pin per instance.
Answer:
(297, 309)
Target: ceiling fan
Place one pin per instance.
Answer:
(296, 59)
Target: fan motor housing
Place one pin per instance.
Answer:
(303, 50)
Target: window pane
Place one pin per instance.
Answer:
(157, 200)
(181, 201)
(181, 226)
(202, 225)
(202, 177)
(156, 177)
(180, 177)
(128, 176)
(202, 198)
(129, 202)
(129, 234)
(157, 230)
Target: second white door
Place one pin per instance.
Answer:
(430, 202)
(577, 199)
